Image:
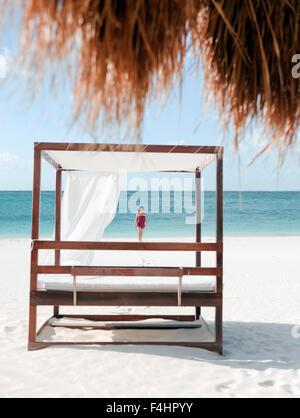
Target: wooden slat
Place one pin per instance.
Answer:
(126, 246)
(210, 346)
(201, 271)
(127, 271)
(63, 298)
(73, 146)
(144, 271)
(52, 269)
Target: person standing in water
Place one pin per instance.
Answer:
(140, 222)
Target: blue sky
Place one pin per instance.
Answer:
(48, 118)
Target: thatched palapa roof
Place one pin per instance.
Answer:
(124, 51)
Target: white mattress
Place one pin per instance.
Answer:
(126, 284)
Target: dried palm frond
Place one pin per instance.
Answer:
(248, 46)
(124, 51)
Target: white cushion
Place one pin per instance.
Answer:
(126, 284)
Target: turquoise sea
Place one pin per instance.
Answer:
(246, 214)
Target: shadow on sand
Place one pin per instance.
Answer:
(249, 345)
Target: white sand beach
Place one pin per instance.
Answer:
(261, 336)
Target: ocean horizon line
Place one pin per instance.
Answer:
(145, 190)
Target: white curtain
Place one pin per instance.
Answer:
(89, 205)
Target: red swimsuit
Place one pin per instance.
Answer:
(141, 221)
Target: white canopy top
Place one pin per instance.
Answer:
(130, 161)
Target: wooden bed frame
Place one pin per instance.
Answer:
(63, 298)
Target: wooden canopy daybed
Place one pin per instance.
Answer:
(76, 156)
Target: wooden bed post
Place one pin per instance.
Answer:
(219, 254)
(198, 226)
(36, 196)
(57, 223)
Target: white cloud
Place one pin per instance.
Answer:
(12, 161)
(3, 66)
(5, 61)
